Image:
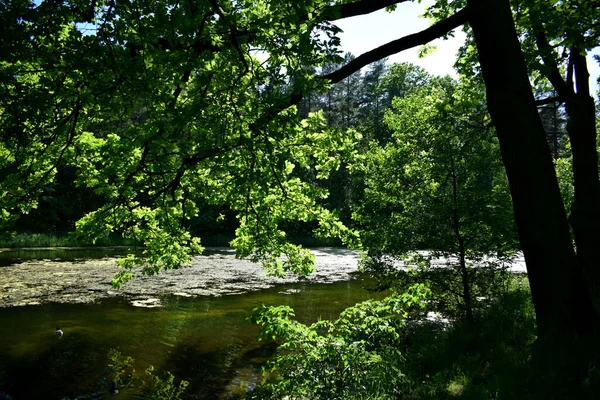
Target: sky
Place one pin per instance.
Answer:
(363, 33)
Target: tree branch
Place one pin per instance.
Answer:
(423, 37)
(549, 100)
(347, 10)
(562, 88)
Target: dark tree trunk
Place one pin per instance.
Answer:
(585, 214)
(460, 240)
(563, 308)
(466, 284)
(581, 127)
(464, 272)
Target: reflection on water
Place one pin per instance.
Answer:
(205, 340)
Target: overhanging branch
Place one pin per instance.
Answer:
(550, 100)
(420, 38)
(423, 37)
(347, 10)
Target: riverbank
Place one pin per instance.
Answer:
(66, 240)
(23, 240)
(193, 322)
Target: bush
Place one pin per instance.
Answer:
(387, 350)
(356, 356)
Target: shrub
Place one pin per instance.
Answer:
(356, 356)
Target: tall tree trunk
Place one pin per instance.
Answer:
(581, 127)
(585, 214)
(562, 307)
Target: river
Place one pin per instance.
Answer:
(191, 321)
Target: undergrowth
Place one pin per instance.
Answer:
(387, 350)
(483, 360)
(59, 239)
(65, 239)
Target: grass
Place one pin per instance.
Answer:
(59, 239)
(497, 357)
(63, 239)
(484, 360)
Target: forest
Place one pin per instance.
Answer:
(172, 125)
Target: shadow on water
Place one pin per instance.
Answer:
(35, 363)
(63, 368)
(212, 375)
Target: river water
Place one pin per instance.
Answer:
(191, 321)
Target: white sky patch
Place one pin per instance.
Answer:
(366, 32)
(363, 33)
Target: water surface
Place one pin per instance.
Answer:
(199, 331)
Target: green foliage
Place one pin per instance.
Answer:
(439, 186)
(162, 107)
(151, 385)
(564, 173)
(386, 349)
(402, 80)
(426, 50)
(355, 356)
(121, 367)
(163, 388)
(13, 239)
(441, 139)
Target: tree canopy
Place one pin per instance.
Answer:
(161, 105)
